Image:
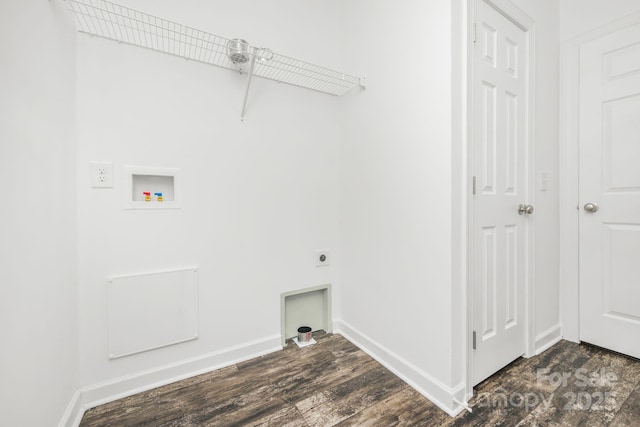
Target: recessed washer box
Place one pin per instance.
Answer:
(305, 307)
(152, 188)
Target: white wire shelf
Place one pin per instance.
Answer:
(112, 21)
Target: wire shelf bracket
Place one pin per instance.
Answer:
(112, 21)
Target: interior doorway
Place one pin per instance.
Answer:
(502, 207)
(609, 213)
(598, 262)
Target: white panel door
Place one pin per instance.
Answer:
(499, 167)
(610, 183)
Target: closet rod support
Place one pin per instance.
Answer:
(246, 94)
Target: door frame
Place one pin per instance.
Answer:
(569, 174)
(527, 24)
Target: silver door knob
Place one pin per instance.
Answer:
(525, 209)
(591, 207)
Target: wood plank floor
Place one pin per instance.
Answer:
(333, 383)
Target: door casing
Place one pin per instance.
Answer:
(527, 24)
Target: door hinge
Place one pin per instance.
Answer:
(474, 33)
(474, 340)
(473, 186)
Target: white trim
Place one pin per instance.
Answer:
(468, 218)
(568, 191)
(548, 338)
(528, 25)
(421, 381)
(606, 29)
(461, 342)
(73, 413)
(127, 385)
(570, 172)
(512, 12)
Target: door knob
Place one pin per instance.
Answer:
(525, 209)
(591, 207)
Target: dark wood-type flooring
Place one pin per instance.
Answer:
(333, 383)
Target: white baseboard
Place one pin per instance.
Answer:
(98, 394)
(73, 414)
(422, 382)
(548, 338)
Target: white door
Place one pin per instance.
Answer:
(610, 183)
(499, 86)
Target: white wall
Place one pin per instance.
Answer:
(580, 16)
(38, 361)
(258, 197)
(547, 312)
(396, 182)
(368, 176)
(397, 178)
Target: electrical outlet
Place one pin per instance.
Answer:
(322, 258)
(101, 175)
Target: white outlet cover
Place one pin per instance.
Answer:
(323, 258)
(101, 174)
